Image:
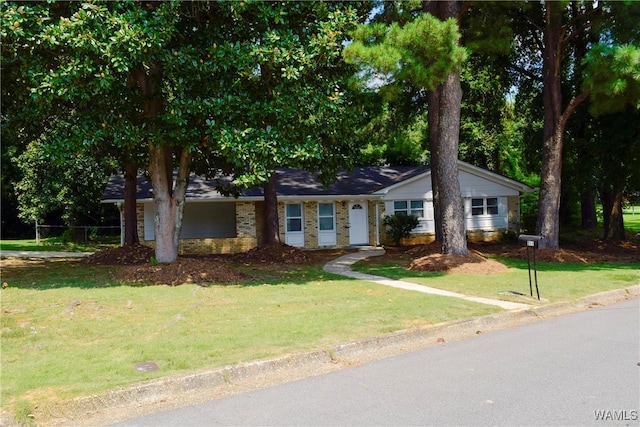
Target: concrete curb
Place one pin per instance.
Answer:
(159, 394)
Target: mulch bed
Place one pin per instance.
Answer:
(184, 270)
(275, 253)
(430, 258)
(589, 252)
(136, 266)
(126, 255)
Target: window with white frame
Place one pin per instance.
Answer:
(325, 217)
(293, 213)
(484, 206)
(409, 207)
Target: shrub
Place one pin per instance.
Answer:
(399, 226)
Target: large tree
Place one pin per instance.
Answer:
(135, 78)
(425, 51)
(298, 108)
(209, 87)
(609, 75)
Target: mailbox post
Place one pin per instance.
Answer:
(531, 241)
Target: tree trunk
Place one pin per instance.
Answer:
(451, 210)
(612, 215)
(444, 105)
(168, 199)
(588, 209)
(271, 226)
(549, 205)
(433, 101)
(130, 199)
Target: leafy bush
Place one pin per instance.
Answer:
(400, 226)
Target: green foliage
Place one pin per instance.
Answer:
(400, 226)
(390, 140)
(613, 76)
(423, 51)
(70, 182)
(295, 107)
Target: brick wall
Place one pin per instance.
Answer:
(246, 234)
(342, 223)
(140, 219)
(513, 220)
(310, 218)
(246, 220)
(227, 245)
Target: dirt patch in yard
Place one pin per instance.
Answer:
(125, 255)
(137, 268)
(183, 271)
(588, 252)
(478, 261)
(429, 258)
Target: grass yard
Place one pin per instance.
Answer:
(556, 282)
(57, 244)
(631, 218)
(68, 330)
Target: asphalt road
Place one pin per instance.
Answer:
(570, 370)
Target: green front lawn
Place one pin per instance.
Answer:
(57, 244)
(69, 330)
(631, 217)
(556, 282)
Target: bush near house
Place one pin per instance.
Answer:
(400, 226)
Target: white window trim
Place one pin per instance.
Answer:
(287, 217)
(333, 216)
(484, 206)
(409, 210)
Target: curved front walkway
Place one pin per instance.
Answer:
(342, 266)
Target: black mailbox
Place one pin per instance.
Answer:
(532, 241)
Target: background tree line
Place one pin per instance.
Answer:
(545, 93)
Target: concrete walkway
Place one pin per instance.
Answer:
(43, 254)
(342, 266)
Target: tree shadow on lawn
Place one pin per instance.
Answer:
(44, 274)
(567, 266)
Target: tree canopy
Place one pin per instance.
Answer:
(243, 87)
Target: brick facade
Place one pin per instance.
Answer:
(513, 206)
(246, 234)
(250, 228)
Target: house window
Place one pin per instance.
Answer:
(484, 206)
(409, 207)
(325, 217)
(293, 213)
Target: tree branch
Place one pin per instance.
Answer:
(526, 73)
(573, 104)
(565, 41)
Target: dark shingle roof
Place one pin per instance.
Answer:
(290, 182)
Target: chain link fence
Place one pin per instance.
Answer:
(79, 233)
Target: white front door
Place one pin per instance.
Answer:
(358, 223)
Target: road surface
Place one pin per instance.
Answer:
(579, 369)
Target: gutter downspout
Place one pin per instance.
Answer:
(377, 224)
(120, 206)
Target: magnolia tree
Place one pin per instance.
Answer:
(210, 87)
